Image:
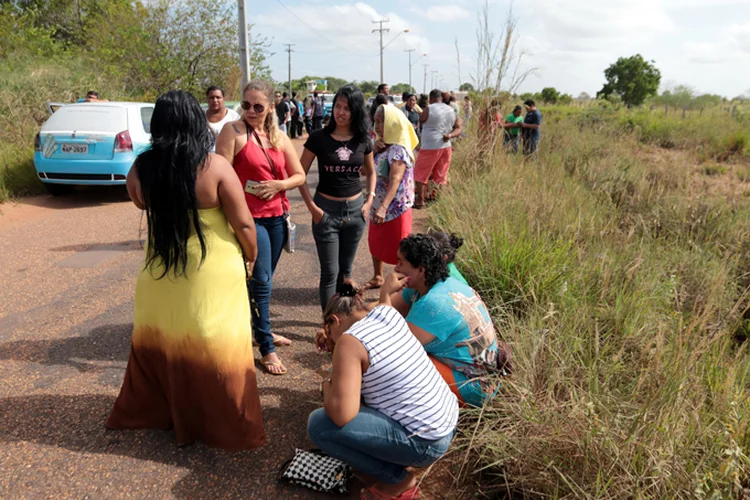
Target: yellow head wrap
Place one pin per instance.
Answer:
(398, 130)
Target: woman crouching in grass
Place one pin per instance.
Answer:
(448, 318)
(409, 414)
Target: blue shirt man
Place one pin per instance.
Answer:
(531, 127)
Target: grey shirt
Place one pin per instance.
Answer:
(440, 122)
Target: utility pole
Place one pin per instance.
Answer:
(244, 49)
(381, 30)
(432, 78)
(410, 51)
(424, 81)
(289, 50)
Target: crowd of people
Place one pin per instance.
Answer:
(217, 226)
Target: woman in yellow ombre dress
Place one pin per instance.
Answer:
(191, 360)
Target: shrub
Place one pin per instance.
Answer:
(620, 288)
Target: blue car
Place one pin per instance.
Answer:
(92, 143)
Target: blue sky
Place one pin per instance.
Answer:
(701, 43)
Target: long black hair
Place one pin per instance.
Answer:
(421, 250)
(180, 142)
(355, 99)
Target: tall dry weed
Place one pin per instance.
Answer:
(620, 288)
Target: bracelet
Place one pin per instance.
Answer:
(369, 193)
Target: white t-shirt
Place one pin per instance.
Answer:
(401, 381)
(216, 127)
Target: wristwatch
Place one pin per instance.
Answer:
(369, 193)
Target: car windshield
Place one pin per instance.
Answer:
(328, 98)
(91, 118)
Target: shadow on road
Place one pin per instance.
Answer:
(76, 423)
(81, 196)
(93, 352)
(121, 246)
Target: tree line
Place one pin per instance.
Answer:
(144, 46)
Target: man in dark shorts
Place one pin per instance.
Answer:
(531, 128)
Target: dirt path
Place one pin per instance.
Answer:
(68, 274)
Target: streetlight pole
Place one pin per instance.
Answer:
(289, 50)
(244, 56)
(410, 51)
(424, 81)
(381, 30)
(411, 64)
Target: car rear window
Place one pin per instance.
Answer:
(94, 118)
(146, 118)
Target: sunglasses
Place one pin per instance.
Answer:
(258, 108)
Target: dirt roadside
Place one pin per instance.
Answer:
(69, 268)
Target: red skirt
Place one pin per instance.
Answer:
(385, 238)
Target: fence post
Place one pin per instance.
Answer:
(684, 109)
(666, 109)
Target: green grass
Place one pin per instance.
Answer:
(620, 288)
(25, 87)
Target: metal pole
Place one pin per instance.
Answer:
(289, 50)
(381, 30)
(411, 89)
(424, 81)
(244, 56)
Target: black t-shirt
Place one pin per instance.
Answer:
(282, 109)
(339, 163)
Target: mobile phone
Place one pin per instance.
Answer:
(250, 186)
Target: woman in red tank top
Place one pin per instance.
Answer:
(268, 166)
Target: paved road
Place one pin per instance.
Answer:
(68, 274)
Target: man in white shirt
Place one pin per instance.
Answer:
(216, 114)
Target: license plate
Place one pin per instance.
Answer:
(76, 149)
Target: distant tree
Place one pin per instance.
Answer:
(152, 47)
(400, 88)
(466, 87)
(550, 95)
(368, 86)
(525, 96)
(584, 96)
(633, 79)
(565, 99)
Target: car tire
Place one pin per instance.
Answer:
(57, 189)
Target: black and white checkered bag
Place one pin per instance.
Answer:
(315, 470)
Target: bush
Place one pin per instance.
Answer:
(620, 288)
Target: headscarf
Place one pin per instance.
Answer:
(397, 129)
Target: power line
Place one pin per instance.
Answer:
(311, 28)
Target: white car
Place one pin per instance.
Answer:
(93, 143)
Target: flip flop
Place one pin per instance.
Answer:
(375, 283)
(266, 364)
(410, 494)
(278, 343)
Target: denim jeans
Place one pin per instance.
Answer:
(282, 127)
(271, 237)
(337, 237)
(511, 141)
(374, 444)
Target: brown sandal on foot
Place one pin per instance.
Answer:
(266, 364)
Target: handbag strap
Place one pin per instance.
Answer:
(251, 130)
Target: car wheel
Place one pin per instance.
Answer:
(57, 189)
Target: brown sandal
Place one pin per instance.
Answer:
(266, 364)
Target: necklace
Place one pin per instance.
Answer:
(344, 144)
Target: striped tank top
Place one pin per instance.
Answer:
(401, 381)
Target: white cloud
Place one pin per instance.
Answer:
(446, 13)
(732, 45)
